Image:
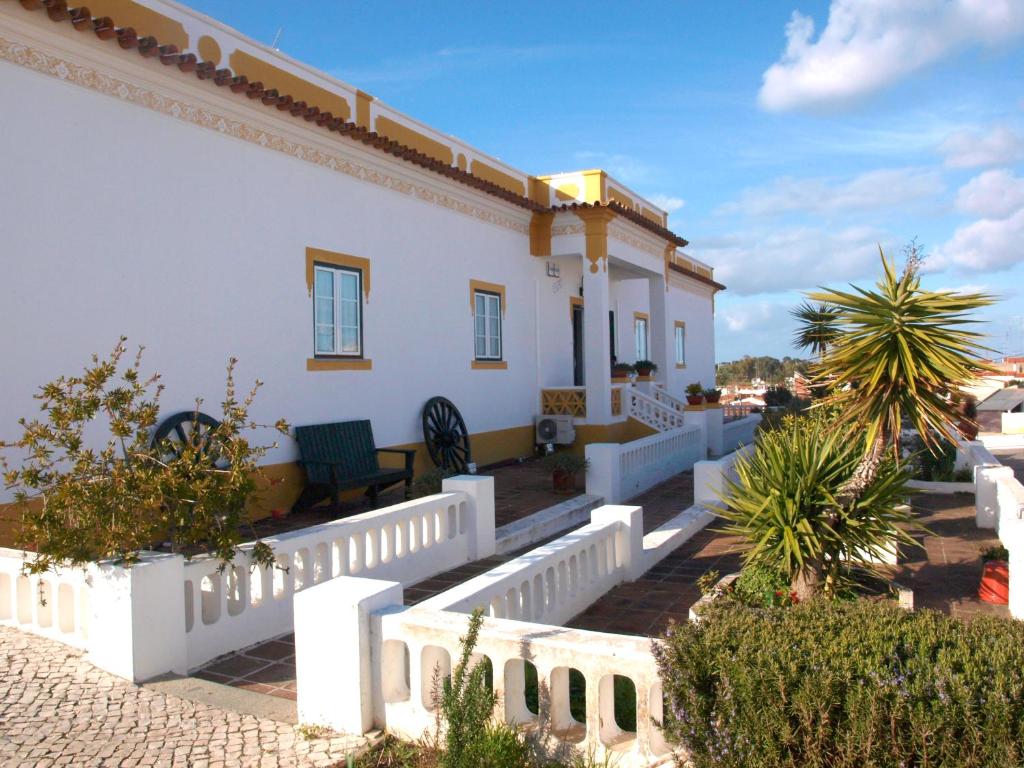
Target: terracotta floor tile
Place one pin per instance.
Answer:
(235, 666)
(272, 650)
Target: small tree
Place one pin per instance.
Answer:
(81, 504)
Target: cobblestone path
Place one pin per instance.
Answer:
(58, 709)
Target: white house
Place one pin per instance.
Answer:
(166, 178)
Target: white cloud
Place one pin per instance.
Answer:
(626, 168)
(868, 45)
(986, 244)
(773, 259)
(968, 149)
(993, 194)
(667, 203)
(872, 190)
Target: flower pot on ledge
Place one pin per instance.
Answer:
(995, 583)
(563, 482)
(695, 399)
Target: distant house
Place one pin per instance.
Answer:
(991, 410)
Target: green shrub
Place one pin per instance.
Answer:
(844, 685)
(429, 483)
(937, 464)
(465, 707)
(760, 586)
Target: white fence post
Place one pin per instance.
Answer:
(337, 659)
(986, 494)
(715, 419)
(480, 489)
(604, 473)
(137, 624)
(697, 416)
(630, 542)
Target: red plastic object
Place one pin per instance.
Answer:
(995, 583)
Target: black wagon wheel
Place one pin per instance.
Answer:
(185, 428)
(446, 436)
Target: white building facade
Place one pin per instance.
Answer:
(167, 179)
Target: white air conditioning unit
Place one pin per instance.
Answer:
(555, 429)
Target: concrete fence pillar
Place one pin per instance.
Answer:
(630, 540)
(604, 472)
(137, 623)
(696, 416)
(480, 489)
(986, 494)
(714, 416)
(337, 655)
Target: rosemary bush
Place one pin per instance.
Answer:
(844, 685)
(82, 504)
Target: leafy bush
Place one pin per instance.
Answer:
(935, 464)
(79, 504)
(429, 483)
(465, 706)
(785, 505)
(844, 685)
(776, 396)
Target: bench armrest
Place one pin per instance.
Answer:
(410, 455)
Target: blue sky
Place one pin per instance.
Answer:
(788, 138)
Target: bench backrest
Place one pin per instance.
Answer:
(347, 444)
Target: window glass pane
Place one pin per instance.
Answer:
(480, 303)
(324, 311)
(349, 285)
(324, 340)
(481, 346)
(349, 340)
(350, 313)
(481, 325)
(324, 283)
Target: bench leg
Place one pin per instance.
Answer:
(372, 492)
(336, 502)
(307, 498)
(408, 488)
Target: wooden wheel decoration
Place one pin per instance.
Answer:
(188, 428)
(446, 436)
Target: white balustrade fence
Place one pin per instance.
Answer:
(407, 542)
(739, 432)
(621, 471)
(408, 649)
(166, 614)
(647, 410)
(54, 605)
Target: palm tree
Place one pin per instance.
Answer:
(896, 352)
(817, 327)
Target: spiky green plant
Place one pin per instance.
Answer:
(898, 352)
(784, 504)
(817, 326)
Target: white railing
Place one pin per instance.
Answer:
(55, 605)
(649, 411)
(663, 397)
(429, 640)
(618, 472)
(408, 542)
(739, 432)
(558, 580)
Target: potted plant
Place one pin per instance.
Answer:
(564, 467)
(995, 577)
(644, 367)
(695, 393)
(712, 395)
(622, 370)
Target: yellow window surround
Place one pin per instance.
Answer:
(316, 256)
(485, 287)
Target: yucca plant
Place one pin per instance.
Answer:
(785, 504)
(897, 352)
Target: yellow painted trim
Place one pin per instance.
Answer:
(486, 172)
(145, 21)
(461, 162)
(595, 230)
(620, 379)
(693, 408)
(680, 366)
(209, 49)
(489, 365)
(711, 406)
(641, 316)
(567, 191)
(363, 100)
(540, 190)
(645, 378)
(620, 197)
(595, 184)
(654, 216)
(574, 301)
(540, 233)
(480, 285)
(403, 134)
(286, 83)
(337, 364)
(317, 255)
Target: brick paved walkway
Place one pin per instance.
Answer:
(58, 709)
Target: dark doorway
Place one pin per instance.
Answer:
(611, 334)
(577, 345)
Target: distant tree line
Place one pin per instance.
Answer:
(770, 369)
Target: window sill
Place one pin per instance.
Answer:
(680, 366)
(328, 364)
(489, 365)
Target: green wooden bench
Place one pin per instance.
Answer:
(341, 456)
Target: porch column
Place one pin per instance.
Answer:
(661, 339)
(596, 335)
